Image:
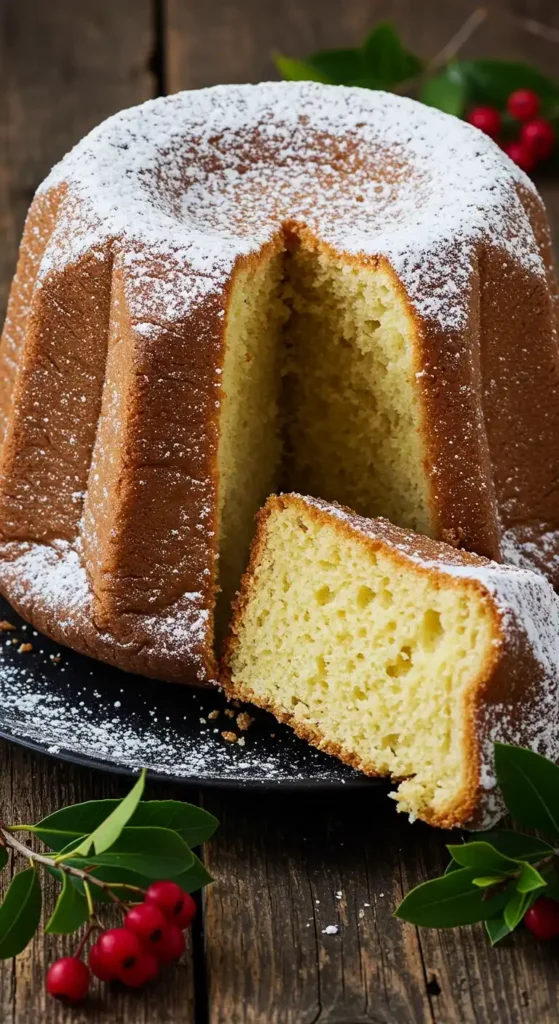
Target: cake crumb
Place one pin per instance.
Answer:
(6, 626)
(229, 713)
(213, 715)
(244, 721)
(231, 737)
(23, 648)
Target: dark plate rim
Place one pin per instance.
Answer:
(193, 782)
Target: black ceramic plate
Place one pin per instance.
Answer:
(77, 709)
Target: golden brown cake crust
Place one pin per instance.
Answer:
(521, 675)
(113, 344)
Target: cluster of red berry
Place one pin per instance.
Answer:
(536, 138)
(152, 934)
(543, 918)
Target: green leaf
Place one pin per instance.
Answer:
(195, 878)
(485, 881)
(109, 830)
(530, 879)
(193, 824)
(515, 909)
(450, 901)
(380, 63)
(70, 912)
(492, 81)
(154, 852)
(517, 845)
(483, 857)
(445, 92)
(19, 913)
(4, 857)
(383, 56)
(497, 928)
(530, 787)
(299, 70)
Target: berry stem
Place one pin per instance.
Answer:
(448, 52)
(85, 876)
(84, 938)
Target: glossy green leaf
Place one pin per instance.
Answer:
(19, 913)
(483, 857)
(154, 852)
(530, 787)
(294, 70)
(530, 879)
(446, 92)
(485, 881)
(106, 834)
(383, 55)
(193, 824)
(70, 912)
(195, 878)
(492, 81)
(515, 909)
(450, 901)
(381, 63)
(4, 857)
(339, 67)
(497, 929)
(517, 845)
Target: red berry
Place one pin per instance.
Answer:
(538, 136)
(487, 119)
(172, 945)
(68, 979)
(521, 155)
(523, 104)
(145, 969)
(543, 918)
(119, 949)
(97, 965)
(148, 922)
(177, 905)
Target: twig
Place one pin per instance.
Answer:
(6, 839)
(535, 28)
(458, 40)
(450, 50)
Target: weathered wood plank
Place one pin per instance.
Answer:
(63, 68)
(289, 867)
(224, 42)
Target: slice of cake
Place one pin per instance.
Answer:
(399, 654)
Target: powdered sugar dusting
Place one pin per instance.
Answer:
(529, 614)
(71, 706)
(203, 178)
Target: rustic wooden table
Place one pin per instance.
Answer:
(259, 954)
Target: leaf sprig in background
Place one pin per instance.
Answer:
(498, 876)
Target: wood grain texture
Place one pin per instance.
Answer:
(64, 67)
